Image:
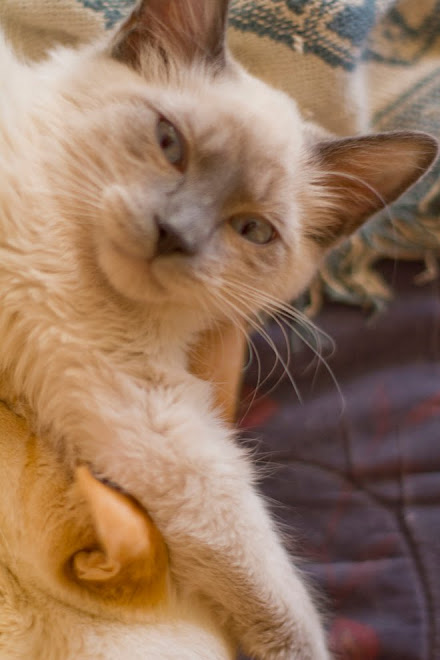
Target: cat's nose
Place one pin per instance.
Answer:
(171, 241)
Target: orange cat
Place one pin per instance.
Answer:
(84, 573)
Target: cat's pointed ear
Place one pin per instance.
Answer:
(188, 30)
(126, 536)
(356, 177)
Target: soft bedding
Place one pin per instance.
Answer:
(355, 474)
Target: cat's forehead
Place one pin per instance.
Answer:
(229, 112)
(237, 127)
(245, 139)
(238, 108)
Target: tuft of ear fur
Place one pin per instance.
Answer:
(130, 554)
(189, 30)
(361, 175)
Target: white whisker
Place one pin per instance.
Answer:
(274, 308)
(250, 319)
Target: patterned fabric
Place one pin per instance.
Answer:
(352, 65)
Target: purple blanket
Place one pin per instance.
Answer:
(358, 487)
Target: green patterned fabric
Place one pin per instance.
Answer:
(352, 66)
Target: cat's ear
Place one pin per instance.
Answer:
(356, 177)
(188, 30)
(128, 542)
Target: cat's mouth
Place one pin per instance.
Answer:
(126, 253)
(130, 272)
(144, 258)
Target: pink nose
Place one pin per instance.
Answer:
(170, 241)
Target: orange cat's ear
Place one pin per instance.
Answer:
(356, 177)
(129, 546)
(185, 30)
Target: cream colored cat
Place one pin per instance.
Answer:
(151, 189)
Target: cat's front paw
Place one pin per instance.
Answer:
(288, 644)
(293, 651)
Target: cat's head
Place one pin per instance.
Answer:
(199, 184)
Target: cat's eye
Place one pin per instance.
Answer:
(172, 143)
(253, 228)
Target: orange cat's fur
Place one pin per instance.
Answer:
(84, 573)
(129, 563)
(151, 191)
(218, 358)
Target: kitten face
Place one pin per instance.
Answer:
(197, 184)
(227, 215)
(188, 188)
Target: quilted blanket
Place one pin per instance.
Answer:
(355, 469)
(352, 65)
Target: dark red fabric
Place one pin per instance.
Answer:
(358, 483)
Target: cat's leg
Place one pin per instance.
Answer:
(165, 447)
(222, 539)
(199, 489)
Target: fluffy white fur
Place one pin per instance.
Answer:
(95, 328)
